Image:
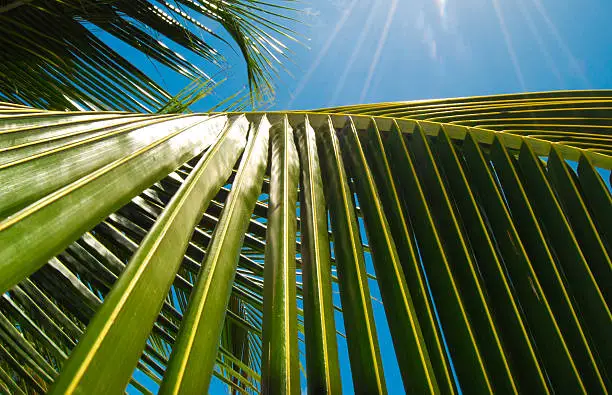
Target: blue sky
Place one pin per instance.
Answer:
(358, 51)
(386, 50)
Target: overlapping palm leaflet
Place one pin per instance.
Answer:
(191, 246)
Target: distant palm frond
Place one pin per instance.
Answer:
(51, 59)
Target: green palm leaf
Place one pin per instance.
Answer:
(159, 251)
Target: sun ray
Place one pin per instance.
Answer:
(536, 34)
(555, 32)
(509, 45)
(381, 44)
(345, 15)
(353, 58)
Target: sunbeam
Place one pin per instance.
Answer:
(553, 29)
(510, 47)
(323, 52)
(353, 58)
(381, 44)
(536, 34)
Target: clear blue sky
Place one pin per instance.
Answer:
(386, 50)
(362, 51)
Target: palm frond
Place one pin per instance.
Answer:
(52, 59)
(157, 252)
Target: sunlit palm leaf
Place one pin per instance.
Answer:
(487, 221)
